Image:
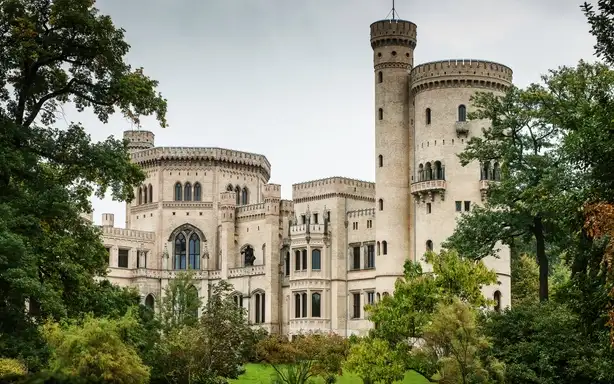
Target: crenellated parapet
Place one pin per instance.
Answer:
(204, 155)
(139, 140)
(461, 73)
(393, 32)
(128, 234)
(333, 187)
(228, 204)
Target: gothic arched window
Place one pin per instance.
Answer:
(178, 191)
(197, 192)
(194, 251)
(238, 194)
(180, 251)
(140, 194)
(462, 113)
(150, 302)
(187, 192)
(316, 304)
(150, 193)
(229, 188)
(244, 196)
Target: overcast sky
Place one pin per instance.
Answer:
(293, 79)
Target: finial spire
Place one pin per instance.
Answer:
(393, 13)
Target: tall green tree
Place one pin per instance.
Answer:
(404, 315)
(57, 52)
(535, 190)
(180, 303)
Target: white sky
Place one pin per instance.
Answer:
(293, 79)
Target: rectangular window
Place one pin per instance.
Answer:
(304, 266)
(370, 261)
(297, 260)
(459, 206)
(370, 297)
(138, 259)
(467, 205)
(315, 218)
(428, 208)
(356, 306)
(303, 219)
(369, 223)
(356, 258)
(297, 306)
(304, 305)
(122, 258)
(287, 264)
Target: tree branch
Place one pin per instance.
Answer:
(37, 107)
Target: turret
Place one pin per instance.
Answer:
(108, 220)
(393, 42)
(139, 140)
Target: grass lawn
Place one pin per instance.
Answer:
(261, 374)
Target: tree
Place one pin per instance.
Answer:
(210, 350)
(57, 52)
(179, 305)
(455, 344)
(535, 190)
(525, 280)
(403, 316)
(306, 356)
(544, 343)
(374, 361)
(95, 349)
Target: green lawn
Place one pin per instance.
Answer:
(261, 374)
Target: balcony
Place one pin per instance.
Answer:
(428, 189)
(462, 128)
(246, 271)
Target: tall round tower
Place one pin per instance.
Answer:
(393, 42)
(442, 188)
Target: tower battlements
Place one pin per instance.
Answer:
(393, 32)
(139, 140)
(453, 72)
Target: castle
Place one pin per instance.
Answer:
(313, 262)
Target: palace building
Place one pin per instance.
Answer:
(313, 262)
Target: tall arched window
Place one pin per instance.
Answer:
(244, 196)
(497, 297)
(462, 113)
(316, 304)
(259, 308)
(238, 194)
(438, 171)
(193, 295)
(428, 116)
(380, 77)
(297, 306)
(197, 192)
(194, 252)
(178, 191)
(378, 248)
(297, 260)
(180, 251)
(150, 188)
(381, 204)
(140, 195)
(380, 161)
(316, 256)
(187, 192)
(287, 263)
(238, 299)
(429, 245)
(428, 172)
(150, 302)
(145, 194)
(486, 173)
(496, 172)
(384, 247)
(304, 304)
(421, 172)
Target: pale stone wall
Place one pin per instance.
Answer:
(335, 216)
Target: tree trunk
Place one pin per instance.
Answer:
(542, 259)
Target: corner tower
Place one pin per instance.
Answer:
(393, 42)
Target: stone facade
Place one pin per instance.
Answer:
(313, 262)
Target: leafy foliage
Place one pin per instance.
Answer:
(57, 52)
(11, 367)
(95, 349)
(306, 356)
(179, 305)
(375, 361)
(209, 350)
(454, 343)
(403, 316)
(525, 280)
